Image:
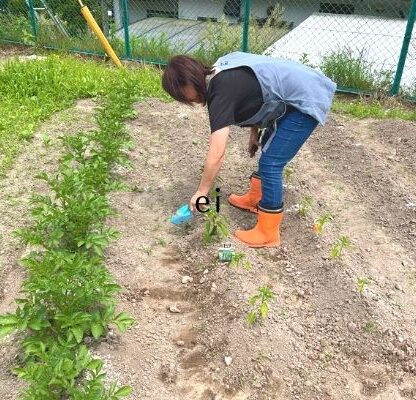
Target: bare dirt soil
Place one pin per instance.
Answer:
(322, 339)
(10, 51)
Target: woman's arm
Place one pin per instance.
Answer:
(213, 162)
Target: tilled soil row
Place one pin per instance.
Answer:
(322, 339)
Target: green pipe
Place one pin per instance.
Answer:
(125, 12)
(33, 19)
(246, 26)
(405, 49)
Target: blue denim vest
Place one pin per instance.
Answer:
(283, 82)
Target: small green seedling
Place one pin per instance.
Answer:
(260, 305)
(147, 249)
(327, 356)
(370, 326)
(216, 226)
(362, 284)
(287, 173)
(305, 205)
(161, 242)
(239, 259)
(320, 222)
(47, 140)
(342, 242)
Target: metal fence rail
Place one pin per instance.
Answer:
(365, 46)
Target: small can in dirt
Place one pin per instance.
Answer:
(226, 252)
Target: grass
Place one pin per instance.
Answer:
(361, 107)
(30, 92)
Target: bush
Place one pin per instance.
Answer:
(16, 28)
(350, 71)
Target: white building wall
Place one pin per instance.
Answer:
(190, 9)
(296, 11)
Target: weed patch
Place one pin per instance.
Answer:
(30, 92)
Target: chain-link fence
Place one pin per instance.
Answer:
(364, 45)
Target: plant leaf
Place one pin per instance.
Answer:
(264, 309)
(124, 391)
(78, 333)
(97, 330)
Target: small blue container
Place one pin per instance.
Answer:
(183, 214)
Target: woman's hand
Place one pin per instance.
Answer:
(194, 198)
(253, 143)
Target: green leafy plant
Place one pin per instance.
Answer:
(68, 294)
(216, 226)
(343, 242)
(321, 222)
(260, 304)
(362, 284)
(239, 259)
(305, 205)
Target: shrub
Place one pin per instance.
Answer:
(351, 71)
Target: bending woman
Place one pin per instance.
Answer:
(282, 100)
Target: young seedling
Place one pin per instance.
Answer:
(370, 326)
(147, 249)
(239, 259)
(161, 242)
(287, 173)
(342, 243)
(216, 226)
(320, 222)
(305, 205)
(47, 140)
(327, 357)
(260, 303)
(362, 284)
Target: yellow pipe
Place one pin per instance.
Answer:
(99, 33)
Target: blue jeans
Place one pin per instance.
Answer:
(291, 133)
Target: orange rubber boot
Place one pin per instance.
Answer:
(266, 233)
(249, 200)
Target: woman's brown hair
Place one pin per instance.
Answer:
(182, 71)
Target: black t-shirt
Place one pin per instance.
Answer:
(234, 96)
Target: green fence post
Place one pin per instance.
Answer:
(125, 11)
(405, 49)
(246, 26)
(33, 19)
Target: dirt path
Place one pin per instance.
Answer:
(322, 340)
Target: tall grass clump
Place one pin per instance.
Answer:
(155, 48)
(220, 38)
(355, 72)
(68, 295)
(15, 28)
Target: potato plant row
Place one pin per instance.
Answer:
(68, 296)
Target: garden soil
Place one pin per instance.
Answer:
(322, 339)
